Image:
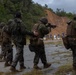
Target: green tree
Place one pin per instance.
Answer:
(62, 13)
(46, 6)
(31, 12)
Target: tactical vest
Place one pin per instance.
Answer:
(6, 38)
(35, 27)
(71, 33)
(17, 32)
(41, 29)
(71, 29)
(17, 28)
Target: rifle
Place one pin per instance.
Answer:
(69, 22)
(51, 25)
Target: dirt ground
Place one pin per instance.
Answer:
(56, 54)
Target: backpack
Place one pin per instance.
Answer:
(17, 28)
(71, 34)
(71, 29)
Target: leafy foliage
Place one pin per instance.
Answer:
(31, 12)
(62, 13)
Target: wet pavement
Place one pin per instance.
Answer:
(56, 54)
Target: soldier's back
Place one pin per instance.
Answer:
(71, 29)
(2, 24)
(5, 36)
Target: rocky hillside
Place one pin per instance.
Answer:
(60, 22)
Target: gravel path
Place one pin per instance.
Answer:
(56, 54)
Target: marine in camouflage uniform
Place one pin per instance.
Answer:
(37, 43)
(2, 24)
(18, 32)
(7, 51)
(71, 35)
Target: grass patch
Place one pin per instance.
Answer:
(58, 52)
(1, 73)
(57, 61)
(59, 43)
(34, 72)
(70, 55)
(8, 73)
(11, 73)
(54, 42)
(50, 43)
(64, 70)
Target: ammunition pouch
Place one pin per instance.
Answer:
(66, 42)
(31, 48)
(36, 41)
(40, 41)
(33, 41)
(72, 41)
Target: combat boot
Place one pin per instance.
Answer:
(6, 64)
(13, 69)
(22, 67)
(36, 67)
(10, 63)
(47, 65)
(1, 59)
(74, 68)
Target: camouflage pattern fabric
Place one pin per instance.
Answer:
(18, 32)
(71, 34)
(6, 45)
(38, 43)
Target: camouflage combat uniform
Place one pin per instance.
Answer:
(7, 51)
(18, 32)
(38, 44)
(71, 34)
(2, 24)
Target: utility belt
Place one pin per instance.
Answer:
(68, 41)
(41, 39)
(72, 39)
(36, 41)
(71, 36)
(35, 38)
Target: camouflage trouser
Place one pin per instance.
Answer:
(40, 54)
(7, 52)
(73, 48)
(3, 51)
(72, 44)
(19, 55)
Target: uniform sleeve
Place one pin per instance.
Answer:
(43, 29)
(10, 25)
(2, 32)
(29, 33)
(25, 31)
(74, 25)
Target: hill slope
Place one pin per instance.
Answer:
(60, 22)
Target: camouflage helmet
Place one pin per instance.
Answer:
(18, 14)
(10, 21)
(2, 24)
(44, 20)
